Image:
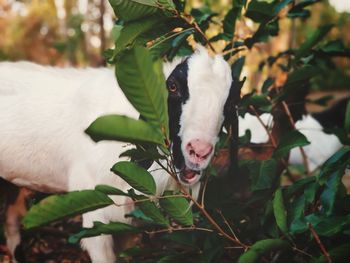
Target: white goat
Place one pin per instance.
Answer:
(321, 147)
(44, 112)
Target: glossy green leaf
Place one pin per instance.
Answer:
(339, 254)
(122, 128)
(289, 141)
(298, 9)
(329, 227)
(280, 211)
(56, 207)
(329, 194)
(262, 173)
(136, 176)
(177, 207)
(237, 67)
(298, 77)
(106, 229)
(129, 10)
(296, 209)
(340, 159)
(263, 11)
(132, 30)
(261, 248)
(259, 11)
(149, 208)
(109, 190)
(229, 22)
(347, 118)
(143, 83)
(312, 40)
(138, 154)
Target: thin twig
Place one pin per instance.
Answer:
(302, 252)
(292, 122)
(169, 37)
(194, 25)
(318, 241)
(227, 223)
(169, 230)
(148, 199)
(273, 141)
(204, 189)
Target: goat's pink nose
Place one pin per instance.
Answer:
(198, 150)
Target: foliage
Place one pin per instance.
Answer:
(252, 217)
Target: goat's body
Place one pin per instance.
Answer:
(321, 147)
(64, 102)
(43, 114)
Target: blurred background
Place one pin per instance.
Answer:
(76, 33)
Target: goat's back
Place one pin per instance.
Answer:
(43, 114)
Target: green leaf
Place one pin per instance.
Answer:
(280, 211)
(296, 209)
(299, 185)
(143, 83)
(116, 30)
(122, 128)
(347, 118)
(56, 207)
(259, 11)
(136, 176)
(262, 11)
(289, 141)
(329, 227)
(329, 194)
(312, 40)
(129, 10)
(139, 154)
(261, 248)
(229, 22)
(149, 208)
(237, 67)
(259, 102)
(262, 173)
(338, 160)
(138, 214)
(132, 30)
(298, 9)
(300, 75)
(177, 207)
(109, 190)
(100, 228)
(339, 254)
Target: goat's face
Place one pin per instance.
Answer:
(198, 89)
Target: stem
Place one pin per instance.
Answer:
(171, 36)
(228, 225)
(215, 225)
(147, 199)
(273, 141)
(318, 241)
(291, 120)
(197, 28)
(179, 229)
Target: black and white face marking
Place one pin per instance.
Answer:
(198, 89)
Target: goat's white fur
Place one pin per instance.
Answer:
(203, 114)
(44, 112)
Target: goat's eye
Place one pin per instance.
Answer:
(173, 87)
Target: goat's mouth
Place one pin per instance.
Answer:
(188, 176)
